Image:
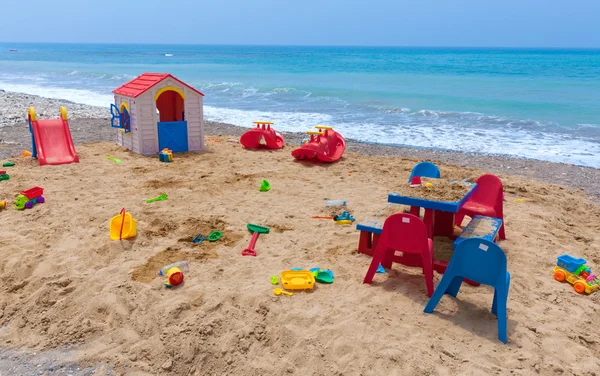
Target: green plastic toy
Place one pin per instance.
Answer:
(264, 186)
(274, 280)
(8, 164)
(4, 177)
(116, 160)
(159, 198)
(214, 236)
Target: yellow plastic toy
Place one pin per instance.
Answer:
(2, 204)
(297, 279)
(122, 226)
(279, 291)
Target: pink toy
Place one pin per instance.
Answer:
(325, 145)
(485, 201)
(408, 234)
(263, 131)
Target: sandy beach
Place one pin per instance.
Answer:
(67, 284)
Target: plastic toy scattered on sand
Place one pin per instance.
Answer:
(122, 226)
(345, 216)
(415, 182)
(380, 269)
(117, 160)
(25, 154)
(325, 145)
(279, 291)
(297, 280)
(343, 222)
(274, 280)
(214, 236)
(198, 239)
(323, 276)
(4, 177)
(321, 216)
(174, 277)
(518, 200)
(159, 198)
(30, 197)
(166, 155)
(256, 230)
(574, 271)
(3, 204)
(8, 164)
(264, 186)
(263, 131)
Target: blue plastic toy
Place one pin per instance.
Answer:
(570, 263)
(425, 169)
(480, 261)
(345, 216)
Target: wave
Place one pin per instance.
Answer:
(74, 95)
(457, 131)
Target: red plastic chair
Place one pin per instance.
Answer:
(408, 234)
(486, 201)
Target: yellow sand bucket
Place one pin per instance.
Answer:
(122, 226)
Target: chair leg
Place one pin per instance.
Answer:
(428, 272)
(458, 218)
(440, 290)
(455, 286)
(377, 259)
(501, 300)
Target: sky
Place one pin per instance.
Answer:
(468, 23)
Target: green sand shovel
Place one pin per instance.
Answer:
(117, 160)
(159, 198)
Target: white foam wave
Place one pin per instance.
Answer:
(74, 95)
(284, 121)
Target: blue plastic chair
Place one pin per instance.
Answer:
(481, 261)
(425, 169)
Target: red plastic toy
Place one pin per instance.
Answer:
(408, 234)
(263, 131)
(325, 145)
(485, 201)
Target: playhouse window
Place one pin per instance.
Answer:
(170, 106)
(120, 118)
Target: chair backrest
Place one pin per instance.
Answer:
(489, 192)
(404, 232)
(425, 169)
(479, 260)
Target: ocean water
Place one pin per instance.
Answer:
(534, 103)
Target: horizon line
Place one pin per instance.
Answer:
(309, 45)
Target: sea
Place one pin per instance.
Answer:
(531, 103)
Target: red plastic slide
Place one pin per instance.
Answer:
(325, 145)
(252, 139)
(52, 140)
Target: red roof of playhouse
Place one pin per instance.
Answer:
(143, 83)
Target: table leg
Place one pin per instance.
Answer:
(443, 224)
(429, 219)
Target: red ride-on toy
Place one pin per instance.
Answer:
(263, 131)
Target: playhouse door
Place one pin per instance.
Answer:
(173, 135)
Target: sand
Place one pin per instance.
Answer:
(67, 284)
(437, 190)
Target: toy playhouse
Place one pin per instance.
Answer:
(157, 111)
